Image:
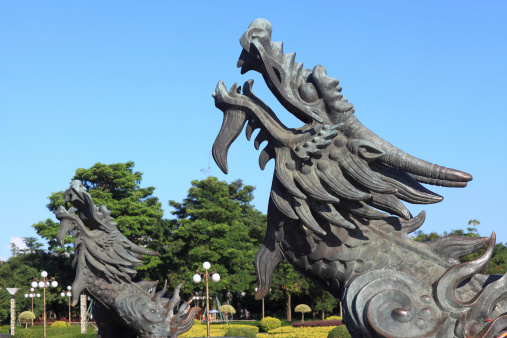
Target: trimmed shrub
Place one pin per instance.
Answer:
(318, 323)
(227, 309)
(303, 308)
(240, 332)
(269, 323)
(59, 324)
(197, 321)
(339, 332)
(26, 333)
(334, 317)
(26, 317)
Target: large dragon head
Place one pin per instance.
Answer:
(332, 175)
(314, 98)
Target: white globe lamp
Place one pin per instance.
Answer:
(206, 265)
(44, 274)
(215, 277)
(196, 278)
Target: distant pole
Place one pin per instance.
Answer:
(83, 313)
(13, 291)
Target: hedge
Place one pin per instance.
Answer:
(300, 332)
(318, 323)
(216, 330)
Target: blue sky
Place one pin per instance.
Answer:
(86, 82)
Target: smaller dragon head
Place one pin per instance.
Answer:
(99, 246)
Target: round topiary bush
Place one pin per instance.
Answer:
(339, 332)
(59, 323)
(240, 332)
(303, 308)
(26, 317)
(334, 318)
(26, 333)
(269, 323)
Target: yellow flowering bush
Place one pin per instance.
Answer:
(216, 330)
(334, 318)
(59, 323)
(299, 332)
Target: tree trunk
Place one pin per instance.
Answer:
(289, 314)
(214, 307)
(323, 307)
(302, 317)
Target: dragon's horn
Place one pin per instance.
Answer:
(420, 170)
(159, 294)
(176, 297)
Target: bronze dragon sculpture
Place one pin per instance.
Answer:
(336, 213)
(104, 261)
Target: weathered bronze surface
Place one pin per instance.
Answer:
(104, 263)
(336, 211)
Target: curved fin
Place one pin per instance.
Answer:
(361, 209)
(445, 288)
(305, 214)
(329, 213)
(310, 183)
(413, 224)
(265, 263)
(334, 179)
(281, 200)
(454, 247)
(186, 324)
(284, 175)
(389, 203)
(362, 174)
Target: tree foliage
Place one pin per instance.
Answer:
(217, 223)
(20, 270)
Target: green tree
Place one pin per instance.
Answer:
(136, 211)
(322, 300)
(285, 284)
(19, 271)
(217, 223)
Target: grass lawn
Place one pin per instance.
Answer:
(71, 331)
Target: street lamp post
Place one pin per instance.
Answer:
(43, 284)
(68, 294)
(197, 279)
(32, 295)
(13, 291)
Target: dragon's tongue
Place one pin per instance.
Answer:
(233, 123)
